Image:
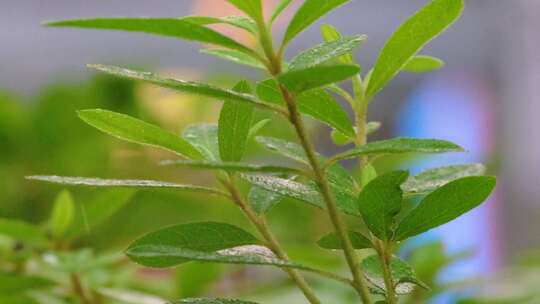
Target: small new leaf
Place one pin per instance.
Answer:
(62, 214)
(333, 242)
(252, 8)
(137, 131)
(298, 81)
(423, 64)
(445, 204)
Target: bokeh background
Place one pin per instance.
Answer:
(486, 99)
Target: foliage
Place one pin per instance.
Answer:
(301, 87)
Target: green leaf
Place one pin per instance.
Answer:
(137, 131)
(15, 283)
(62, 214)
(262, 200)
(341, 139)
(129, 296)
(257, 127)
(234, 56)
(240, 22)
(330, 33)
(432, 179)
(332, 241)
(445, 204)
(380, 201)
(186, 86)
(210, 301)
(404, 276)
(23, 231)
(283, 4)
(204, 137)
(401, 145)
(298, 81)
(234, 123)
(423, 64)
(230, 166)
(325, 52)
(184, 28)
(410, 38)
(252, 8)
(17, 299)
(129, 183)
(307, 14)
(367, 174)
(317, 103)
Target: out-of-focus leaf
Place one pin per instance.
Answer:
(298, 81)
(188, 29)
(258, 126)
(332, 241)
(307, 14)
(62, 214)
(210, 301)
(17, 299)
(325, 52)
(204, 137)
(410, 38)
(137, 131)
(445, 204)
(403, 274)
(262, 200)
(432, 179)
(234, 56)
(234, 123)
(230, 166)
(193, 279)
(11, 284)
(252, 8)
(282, 5)
(317, 103)
(423, 64)
(22, 231)
(130, 296)
(186, 86)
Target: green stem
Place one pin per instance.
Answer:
(384, 251)
(274, 245)
(78, 289)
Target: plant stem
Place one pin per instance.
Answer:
(78, 288)
(274, 245)
(384, 251)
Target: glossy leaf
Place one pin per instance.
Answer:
(307, 14)
(404, 276)
(410, 38)
(172, 27)
(204, 137)
(62, 215)
(445, 204)
(262, 200)
(210, 301)
(23, 232)
(129, 183)
(234, 56)
(137, 131)
(185, 86)
(402, 145)
(332, 241)
(230, 166)
(234, 124)
(423, 64)
(432, 179)
(317, 103)
(380, 201)
(280, 7)
(252, 8)
(11, 283)
(298, 81)
(325, 52)
(330, 33)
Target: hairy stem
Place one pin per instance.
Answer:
(384, 251)
(78, 289)
(274, 245)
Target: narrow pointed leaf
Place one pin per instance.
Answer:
(234, 56)
(325, 52)
(178, 28)
(317, 103)
(410, 38)
(204, 137)
(332, 241)
(432, 179)
(230, 166)
(62, 215)
(262, 200)
(445, 204)
(210, 301)
(186, 86)
(423, 64)
(307, 14)
(282, 5)
(23, 232)
(341, 139)
(257, 127)
(12, 284)
(128, 183)
(137, 131)
(402, 145)
(252, 8)
(236, 21)
(234, 123)
(330, 33)
(298, 81)
(380, 201)
(404, 276)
